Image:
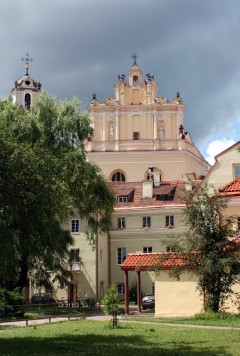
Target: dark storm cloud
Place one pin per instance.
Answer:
(79, 47)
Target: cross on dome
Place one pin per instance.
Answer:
(27, 60)
(134, 57)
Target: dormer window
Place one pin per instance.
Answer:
(135, 80)
(27, 101)
(122, 199)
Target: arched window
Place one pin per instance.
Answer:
(27, 101)
(118, 177)
(135, 80)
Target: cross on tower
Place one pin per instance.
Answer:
(134, 57)
(27, 60)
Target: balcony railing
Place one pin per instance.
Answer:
(73, 266)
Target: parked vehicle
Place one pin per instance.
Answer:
(42, 298)
(148, 301)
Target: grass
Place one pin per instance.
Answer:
(85, 337)
(208, 319)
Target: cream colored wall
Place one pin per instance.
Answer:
(172, 164)
(176, 298)
(103, 266)
(134, 219)
(223, 171)
(135, 237)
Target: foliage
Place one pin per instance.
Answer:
(133, 293)
(9, 302)
(208, 250)
(45, 179)
(110, 301)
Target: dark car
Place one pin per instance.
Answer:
(148, 301)
(42, 298)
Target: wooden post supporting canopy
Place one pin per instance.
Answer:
(126, 293)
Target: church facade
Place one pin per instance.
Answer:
(148, 157)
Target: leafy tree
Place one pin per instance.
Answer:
(45, 178)
(207, 250)
(110, 301)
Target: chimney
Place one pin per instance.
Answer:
(156, 177)
(147, 189)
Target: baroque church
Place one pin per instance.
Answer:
(145, 152)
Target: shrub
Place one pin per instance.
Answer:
(10, 302)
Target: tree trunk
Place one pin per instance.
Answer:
(23, 274)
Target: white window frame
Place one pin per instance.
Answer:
(121, 222)
(170, 249)
(75, 259)
(147, 249)
(123, 199)
(146, 221)
(121, 254)
(236, 169)
(74, 226)
(169, 221)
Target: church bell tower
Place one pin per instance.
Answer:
(26, 88)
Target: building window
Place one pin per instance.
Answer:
(236, 171)
(135, 80)
(170, 249)
(147, 249)
(121, 223)
(136, 135)
(118, 177)
(121, 288)
(169, 221)
(74, 260)
(146, 221)
(122, 199)
(74, 226)
(121, 254)
(101, 256)
(27, 102)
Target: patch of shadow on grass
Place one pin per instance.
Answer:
(91, 344)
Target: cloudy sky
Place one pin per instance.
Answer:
(80, 46)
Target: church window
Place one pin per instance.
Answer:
(136, 135)
(135, 80)
(118, 177)
(27, 101)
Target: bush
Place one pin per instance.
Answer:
(10, 302)
(133, 293)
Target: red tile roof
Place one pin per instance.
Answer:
(144, 261)
(232, 188)
(163, 261)
(137, 200)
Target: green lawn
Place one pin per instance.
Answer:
(233, 321)
(85, 337)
